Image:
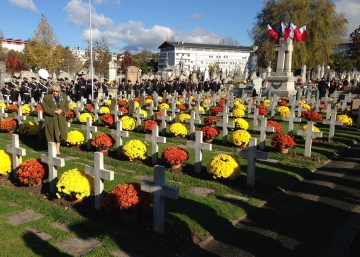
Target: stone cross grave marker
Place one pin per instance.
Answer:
(332, 122)
(249, 106)
(327, 111)
(198, 145)
(78, 109)
(7, 100)
(189, 102)
(116, 113)
(151, 109)
(100, 174)
(3, 114)
(335, 96)
(291, 119)
(318, 105)
(131, 104)
(19, 117)
(225, 124)
(89, 128)
(192, 121)
(96, 112)
(243, 98)
(174, 110)
(16, 152)
(119, 135)
(344, 105)
(251, 154)
(19, 102)
(53, 162)
(160, 191)
(292, 102)
(259, 99)
(325, 99)
(198, 111)
(163, 119)
(256, 117)
(39, 119)
(299, 109)
(155, 139)
(138, 115)
(272, 107)
(309, 134)
(142, 100)
(263, 129)
(311, 101)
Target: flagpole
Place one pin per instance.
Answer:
(91, 55)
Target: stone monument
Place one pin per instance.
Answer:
(112, 70)
(282, 81)
(133, 74)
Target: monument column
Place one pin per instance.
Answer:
(2, 72)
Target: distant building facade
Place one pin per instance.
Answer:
(14, 44)
(203, 55)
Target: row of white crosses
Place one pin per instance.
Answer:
(158, 187)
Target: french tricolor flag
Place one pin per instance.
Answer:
(304, 34)
(272, 32)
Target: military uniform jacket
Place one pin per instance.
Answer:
(55, 125)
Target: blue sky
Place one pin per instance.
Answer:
(142, 24)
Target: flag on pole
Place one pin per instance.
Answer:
(272, 32)
(283, 30)
(304, 34)
(296, 33)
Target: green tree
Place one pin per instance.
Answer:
(354, 50)
(69, 62)
(101, 57)
(142, 60)
(339, 62)
(325, 28)
(43, 50)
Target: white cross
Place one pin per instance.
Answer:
(308, 133)
(16, 152)
(154, 138)
(198, 145)
(197, 110)
(163, 119)
(256, 117)
(3, 114)
(138, 115)
(96, 112)
(251, 154)
(151, 109)
(174, 110)
(100, 174)
(344, 105)
(291, 119)
(19, 117)
(53, 162)
(78, 109)
(39, 119)
(332, 122)
(89, 128)
(192, 121)
(225, 124)
(327, 111)
(160, 191)
(299, 109)
(116, 113)
(119, 135)
(272, 107)
(263, 129)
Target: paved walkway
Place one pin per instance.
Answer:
(318, 216)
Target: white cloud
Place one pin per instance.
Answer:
(196, 16)
(98, 2)
(25, 4)
(134, 35)
(351, 9)
(78, 14)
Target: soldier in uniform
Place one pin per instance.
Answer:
(34, 89)
(26, 91)
(22, 89)
(142, 87)
(62, 86)
(128, 87)
(149, 87)
(121, 87)
(43, 90)
(105, 88)
(95, 87)
(6, 90)
(14, 89)
(136, 88)
(81, 86)
(49, 84)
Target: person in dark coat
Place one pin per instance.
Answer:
(322, 87)
(55, 106)
(332, 87)
(105, 88)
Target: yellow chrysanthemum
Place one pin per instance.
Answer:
(240, 123)
(135, 149)
(240, 138)
(223, 166)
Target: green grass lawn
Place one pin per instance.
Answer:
(194, 217)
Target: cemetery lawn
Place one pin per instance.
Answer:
(204, 208)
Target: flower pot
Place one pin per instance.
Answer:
(284, 150)
(128, 216)
(104, 150)
(70, 120)
(208, 140)
(175, 166)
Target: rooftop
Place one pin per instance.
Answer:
(196, 45)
